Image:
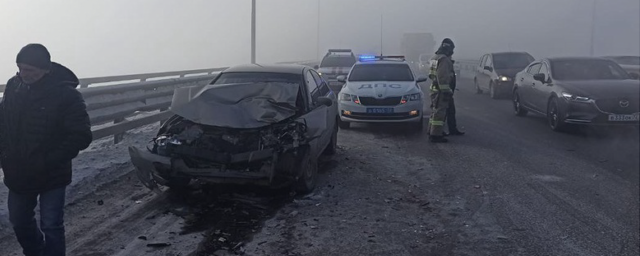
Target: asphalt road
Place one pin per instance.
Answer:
(510, 186)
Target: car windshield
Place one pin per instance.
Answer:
(252, 77)
(587, 70)
(511, 61)
(628, 60)
(346, 61)
(381, 72)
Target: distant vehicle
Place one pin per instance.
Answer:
(496, 72)
(581, 90)
(264, 125)
(381, 89)
(413, 45)
(336, 62)
(424, 63)
(630, 63)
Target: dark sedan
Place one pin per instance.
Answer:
(584, 90)
(496, 71)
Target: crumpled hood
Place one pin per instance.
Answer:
(380, 89)
(247, 105)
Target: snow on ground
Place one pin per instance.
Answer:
(101, 163)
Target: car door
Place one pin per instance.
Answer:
(313, 93)
(486, 74)
(524, 87)
(332, 111)
(531, 86)
(542, 90)
(479, 70)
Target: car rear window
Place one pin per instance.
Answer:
(252, 77)
(381, 72)
(335, 61)
(511, 61)
(587, 70)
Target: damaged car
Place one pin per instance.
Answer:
(253, 124)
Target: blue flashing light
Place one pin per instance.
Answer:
(367, 57)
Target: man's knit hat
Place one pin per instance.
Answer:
(35, 55)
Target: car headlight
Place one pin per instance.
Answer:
(504, 78)
(349, 97)
(576, 98)
(410, 97)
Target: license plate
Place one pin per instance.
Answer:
(623, 118)
(379, 110)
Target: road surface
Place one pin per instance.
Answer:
(510, 186)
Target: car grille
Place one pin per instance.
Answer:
(370, 101)
(613, 106)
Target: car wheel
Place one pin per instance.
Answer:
(554, 116)
(478, 90)
(517, 105)
(343, 124)
(308, 173)
(332, 148)
(492, 91)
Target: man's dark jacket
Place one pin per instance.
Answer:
(43, 127)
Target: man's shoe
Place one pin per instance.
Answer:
(445, 134)
(437, 139)
(456, 133)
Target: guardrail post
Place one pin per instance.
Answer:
(117, 138)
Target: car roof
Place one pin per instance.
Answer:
(268, 68)
(508, 53)
(581, 58)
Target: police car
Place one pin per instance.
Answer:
(381, 89)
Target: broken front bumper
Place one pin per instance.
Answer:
(153, 169)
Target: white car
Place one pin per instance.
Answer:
(381, 89)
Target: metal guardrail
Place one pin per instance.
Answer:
(116, 109)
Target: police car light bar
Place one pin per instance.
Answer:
(372, 57)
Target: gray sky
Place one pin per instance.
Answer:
(111, 37)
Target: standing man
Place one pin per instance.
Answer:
(452, 124)
(43, 126)
(441, 75)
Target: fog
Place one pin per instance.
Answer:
(111, 37)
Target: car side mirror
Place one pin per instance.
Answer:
(540, 77)
(634, 75)
(487, 68)
(341, 78)
(316, 67)
(421, 79)
(325, 101)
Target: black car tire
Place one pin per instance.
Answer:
(478, 90)
(332, 148)
(343, 124)
(554, 116)
(308, 167)
(517, 105)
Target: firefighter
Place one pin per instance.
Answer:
(441, 75)
(452, 124)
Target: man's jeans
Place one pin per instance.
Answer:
(30, 237)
